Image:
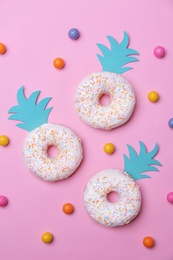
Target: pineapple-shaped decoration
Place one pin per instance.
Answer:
(123, 183)
(108, 82)
(34, 117)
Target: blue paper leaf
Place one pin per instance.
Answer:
(33, 97)
(115, 58)
(29, 112)
(20, 95)
(136, 164)
(125, 41)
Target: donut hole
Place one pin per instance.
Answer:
(112, 197)
(104, 99)
(52, 151)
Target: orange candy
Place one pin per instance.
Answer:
(4, 140)
(148, 242)
(2, 48)
(58, 63)
(68, 208)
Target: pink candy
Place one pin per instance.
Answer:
(3, 201)
(170, 197)
(159, 52)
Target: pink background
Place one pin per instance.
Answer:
(35, 32)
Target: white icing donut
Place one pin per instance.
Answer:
(35, 152)
(112, 214)
(120, 107)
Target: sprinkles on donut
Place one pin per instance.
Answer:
(108, 82)
(34, 116)
(112, 214)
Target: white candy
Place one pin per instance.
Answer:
(112, 214)
(35, 152)
(117, 112)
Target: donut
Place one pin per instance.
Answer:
(120, 107)
(36, 157)
(117, 213)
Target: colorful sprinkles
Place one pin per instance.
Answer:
(112, 214)
(35, 152)
(120, 107)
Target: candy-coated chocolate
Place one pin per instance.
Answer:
(153, 96)
(170, 122)
(3, 201)
(47, 237)
(109, 148)
(2, 48)
(73, 34)
(58, 63)
(68, 208)
(159, 52)
(4, 140)
(170, 197)
(148, 242)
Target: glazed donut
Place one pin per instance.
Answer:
(35, 152)
(112, 214)
(120, 107)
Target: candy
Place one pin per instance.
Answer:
(4, 140)
(170, 122)
(47, 237)
(170, 197)
(58, 63)
(73, 34)
(159, 52)
(2, 48)
(153, 96)
(148, 242)
(109, 148)
(68, 208)
(3, 201)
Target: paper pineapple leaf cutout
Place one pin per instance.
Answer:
(136, 164)
(114, 59)
(31, 113)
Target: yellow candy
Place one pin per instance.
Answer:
(4, 140)
(47, 237)
(109, 148)
(153, 96)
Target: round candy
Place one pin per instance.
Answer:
(68, 208)
(170, 197)
(3, 201)
(148, 242)
(109, 148)
(159, 52)
(170, 122)
(47, 237)
(153, 96)
(73, 34)
(4, 140)
(2, 48)
(58, 63)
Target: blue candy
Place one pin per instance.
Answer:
(73, 34)
(170, 123)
